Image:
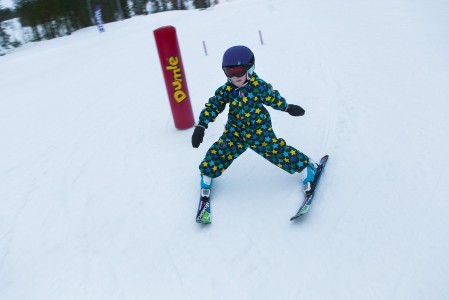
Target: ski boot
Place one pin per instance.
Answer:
(309, 177)
(206, 184)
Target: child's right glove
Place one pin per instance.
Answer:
(198, 134)
(295, 110)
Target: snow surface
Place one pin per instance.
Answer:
(99, 191)
(6, 3)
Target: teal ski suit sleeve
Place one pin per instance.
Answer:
(273, 98)
(214, 107)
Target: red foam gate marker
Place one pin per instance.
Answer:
(174, 76)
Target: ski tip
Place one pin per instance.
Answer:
(295, 217)
(324, 158)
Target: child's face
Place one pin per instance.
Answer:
(239, 81)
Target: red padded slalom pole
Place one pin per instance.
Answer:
(174, 76)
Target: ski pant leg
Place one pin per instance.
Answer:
(222, 153)
(265, 143)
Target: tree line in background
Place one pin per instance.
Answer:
(48, 19)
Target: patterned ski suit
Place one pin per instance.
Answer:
(249, 125)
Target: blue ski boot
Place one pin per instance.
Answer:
(309, 175)
(206, 182)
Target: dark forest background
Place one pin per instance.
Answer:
(49, 19)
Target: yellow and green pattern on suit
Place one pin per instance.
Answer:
(248, 126)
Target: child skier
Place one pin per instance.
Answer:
(249, 123)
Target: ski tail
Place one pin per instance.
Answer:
(203, 214)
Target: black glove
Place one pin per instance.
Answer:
(295, 110)
(198, 134)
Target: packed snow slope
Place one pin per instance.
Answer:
(98, 190)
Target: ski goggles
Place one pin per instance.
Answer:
(235, 71)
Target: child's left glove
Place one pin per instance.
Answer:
(295, 110)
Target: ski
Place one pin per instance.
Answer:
(203, 214)
(304, 208)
